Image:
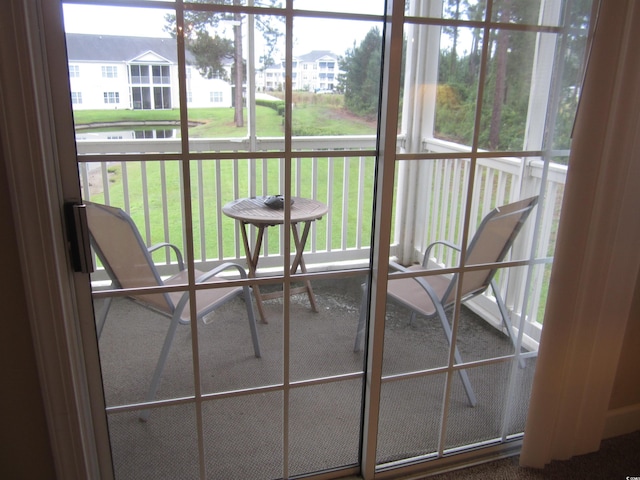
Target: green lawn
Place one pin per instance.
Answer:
(308, 119)
(150, 179)
(211, 122)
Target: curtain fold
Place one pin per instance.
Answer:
(597, 256)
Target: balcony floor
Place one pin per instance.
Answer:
(243, 434)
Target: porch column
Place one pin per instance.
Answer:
(546, 78)
(418, 116)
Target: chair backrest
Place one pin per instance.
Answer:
(493, 239)
(121, 250)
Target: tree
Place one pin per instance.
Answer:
(500, 92)
(454, 9)
(210, 50)
(210, 53)
(361, 80)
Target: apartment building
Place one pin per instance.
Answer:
(109, 72)
(316, 71)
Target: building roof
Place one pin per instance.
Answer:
(113, 48)
(316, 55)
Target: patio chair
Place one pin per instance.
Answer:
(121, 250)
(431, 295)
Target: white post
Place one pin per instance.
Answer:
(540, 96)
(418, 115)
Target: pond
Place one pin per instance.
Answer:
(121, 133)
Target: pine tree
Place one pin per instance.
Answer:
(211, 51)
(361, 81)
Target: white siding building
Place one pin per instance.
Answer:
(112, 72)
(316, 71)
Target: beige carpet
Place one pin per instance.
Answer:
(243, 434)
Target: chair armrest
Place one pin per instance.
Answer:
(158, 246)
(396, 266)
(427, 252)
(220, 268)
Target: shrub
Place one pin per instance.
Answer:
(277, 105)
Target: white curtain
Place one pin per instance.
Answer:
(597, 257)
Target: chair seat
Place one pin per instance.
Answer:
(205, 299)
(409, 292)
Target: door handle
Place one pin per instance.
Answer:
(78, 237)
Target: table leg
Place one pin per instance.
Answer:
(252, 263)
(298, 260)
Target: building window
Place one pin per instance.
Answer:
(111, 97)
(76, 98)
(141, 98)
(162, 98)
(215, 97)
(189, 96)
(74, 71)
(161, 74)
(109, 71)
(139, 74)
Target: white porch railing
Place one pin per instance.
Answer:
(146, 190)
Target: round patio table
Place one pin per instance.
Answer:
(253, 211)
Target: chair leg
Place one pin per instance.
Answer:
(102, 318)
(463, 373)
(504, 313)
(357, 345)
(162, 360)
(252, 321)
(445, 325)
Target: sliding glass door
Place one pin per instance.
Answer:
(302, 157)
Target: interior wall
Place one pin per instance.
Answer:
(25, 451)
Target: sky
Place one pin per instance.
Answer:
(310, 33)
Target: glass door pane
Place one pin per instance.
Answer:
(216, 122)
(474, 205)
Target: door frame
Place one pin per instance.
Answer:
(38, 134)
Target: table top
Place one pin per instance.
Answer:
(253, 210)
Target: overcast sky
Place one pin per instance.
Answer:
(310, 34)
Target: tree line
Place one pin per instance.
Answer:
(507, 79)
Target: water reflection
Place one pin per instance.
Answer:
(147, 133)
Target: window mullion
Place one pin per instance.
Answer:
(386, 164)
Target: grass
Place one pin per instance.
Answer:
(146, 181)
(312, 115)
(210, 122)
